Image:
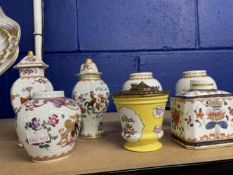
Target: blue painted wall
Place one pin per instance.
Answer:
(166, 37)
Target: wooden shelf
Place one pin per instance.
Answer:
(101, 155)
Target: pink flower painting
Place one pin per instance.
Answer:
(53, 120)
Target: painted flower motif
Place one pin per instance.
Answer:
(53, 120)
(216, 115)
(176, 117)
(41, 81)
(35, 124)
(157, 130)
(81, 97)
(128, 131)
(31, 59)
(159, 111)
(199, 114)
(86, 67)
(230, 111)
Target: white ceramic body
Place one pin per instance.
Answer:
(146, 77)
(58, 117)
(92, 95)
(31, 80)
(183, 84)
(202, 122)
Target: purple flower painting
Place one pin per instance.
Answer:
(35, 124)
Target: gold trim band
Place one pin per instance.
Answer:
(54, 157)
(206, 84)
(94, 136)
(189, 76)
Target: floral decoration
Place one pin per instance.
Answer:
(128, 129)
(53, 120)
(36, 124)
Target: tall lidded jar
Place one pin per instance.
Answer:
(31, 70)
(92, 95)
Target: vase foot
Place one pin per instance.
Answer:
(19, 144)
(50, 159)
(92, 136)
(140, 147)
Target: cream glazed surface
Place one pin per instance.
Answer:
(202, 117)
(91, 93)
(48, 125)
(31, 80)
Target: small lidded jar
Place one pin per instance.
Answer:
(48, 125)
(146, 77)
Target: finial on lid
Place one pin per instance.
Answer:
(31, 61)
(89, 67)
(88, 61)
(30, 53)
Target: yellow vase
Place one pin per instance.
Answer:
(141, 119)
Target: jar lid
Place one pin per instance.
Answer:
(88, 68)
(141, 89)
(201, 85)
(202, 89)
(30, 61)
(141, 75)
(49, 94)
(194, 73)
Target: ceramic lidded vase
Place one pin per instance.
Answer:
(202, 116)
(141, 111)
(183, 83)
(146, 77)
(48, 125)
(32, 79)
(92, 95)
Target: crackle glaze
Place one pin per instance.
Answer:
(183, 84)
(92, 95)
(48, 125)
(31, 80)
(202, 117)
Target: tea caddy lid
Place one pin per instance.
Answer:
(31, 61)
(202, 88)
(89, 68)
(140, 90)
(201, 85)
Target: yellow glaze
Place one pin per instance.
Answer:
(144, 106)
